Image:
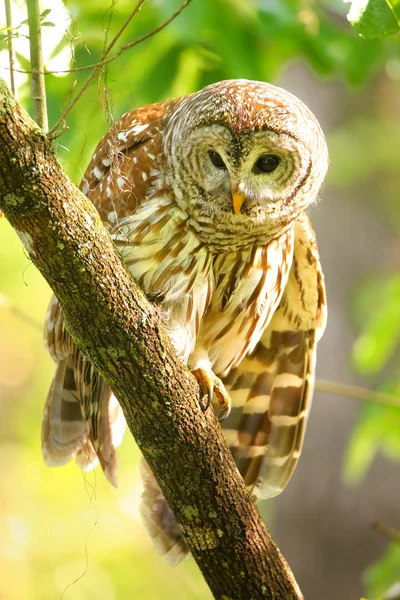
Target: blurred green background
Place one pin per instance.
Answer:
(62, 528)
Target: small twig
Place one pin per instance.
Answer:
(7, 4)
(59, 133)
(357, 392)
(104, 60)
(124, 26)
(154, 31)
(38, 84)
(394, 7)
(391, 534)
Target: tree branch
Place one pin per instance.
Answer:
(356, 392)
(116, 327)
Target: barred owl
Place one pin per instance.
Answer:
(204, 196)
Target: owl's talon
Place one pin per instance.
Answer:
(210, 385)
(224, 413)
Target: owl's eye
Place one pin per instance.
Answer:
(267, 163)
(216, 160)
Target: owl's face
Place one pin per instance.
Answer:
(246, 155)
(245, 177)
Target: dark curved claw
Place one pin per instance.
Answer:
(211, 384)
(224, 414)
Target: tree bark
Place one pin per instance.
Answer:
(117, 328)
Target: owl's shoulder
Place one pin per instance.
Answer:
(128, 161)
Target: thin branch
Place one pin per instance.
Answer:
(104, 60)
(7, 4)
(357, 392)
(391, 534)
(38, 84)
(124, 26)
(154, 31)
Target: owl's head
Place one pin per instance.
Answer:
(245, 155)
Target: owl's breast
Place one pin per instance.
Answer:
(249, 284)
(214, 305)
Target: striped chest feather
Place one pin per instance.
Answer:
(215, 305)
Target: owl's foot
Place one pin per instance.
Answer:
(211, 384)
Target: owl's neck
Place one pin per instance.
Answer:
(227, 236)
(225, 231)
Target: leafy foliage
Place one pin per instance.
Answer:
(375, 18)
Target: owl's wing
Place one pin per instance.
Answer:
(271, 390)
(82, 418)
(128, 162)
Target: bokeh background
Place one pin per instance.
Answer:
(68, 534)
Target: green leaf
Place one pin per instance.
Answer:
(380, 576)
(375, 18)
(44, 14)
(394, 6)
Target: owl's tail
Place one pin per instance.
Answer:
(160, 521)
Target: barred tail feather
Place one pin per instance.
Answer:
(82, 419)
(86, 457)
(159, 520)
(63, 430)
(111, 431)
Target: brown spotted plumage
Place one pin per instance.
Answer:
(204, 197)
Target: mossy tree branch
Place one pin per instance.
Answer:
(113, 323)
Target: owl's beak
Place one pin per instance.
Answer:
(237, 201)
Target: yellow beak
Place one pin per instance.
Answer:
(237, 201)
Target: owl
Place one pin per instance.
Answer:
(204, 196)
